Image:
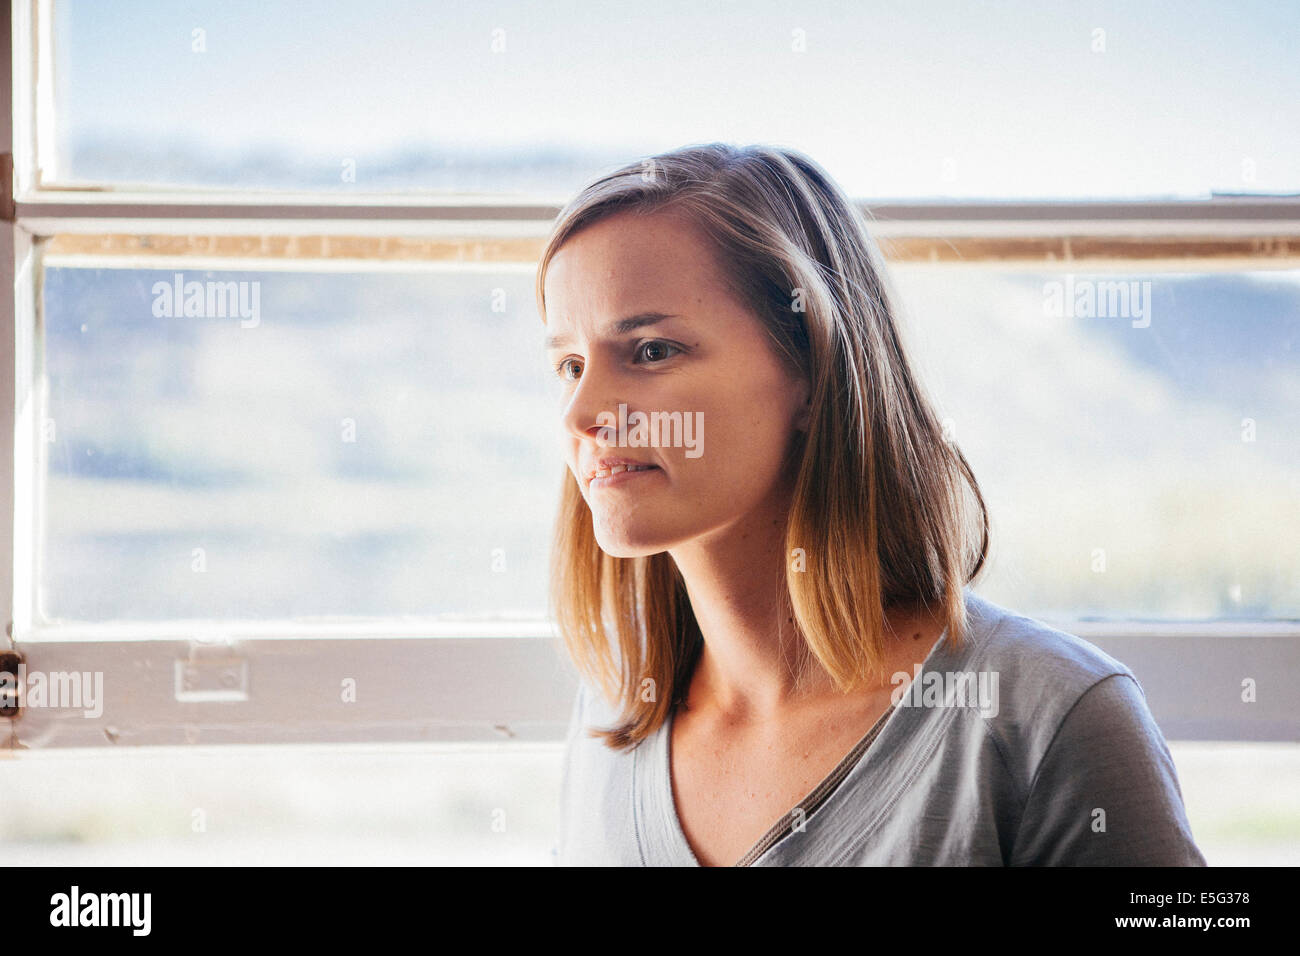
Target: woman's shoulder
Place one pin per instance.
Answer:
(591, 709)
(596, 826)
(591, 712)
(1093, 775)
(1038, 674)
(1036, 661)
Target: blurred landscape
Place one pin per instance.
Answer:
(187, 443)
(1088, 434)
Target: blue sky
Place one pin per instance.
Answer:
(895, 99)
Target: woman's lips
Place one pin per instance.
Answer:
(623, 477)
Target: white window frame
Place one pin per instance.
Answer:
(480, 683)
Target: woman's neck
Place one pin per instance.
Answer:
(748, 667)
(735, 578)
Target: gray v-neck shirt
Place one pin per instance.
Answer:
(1026, 746)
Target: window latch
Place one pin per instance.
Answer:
(213, 671)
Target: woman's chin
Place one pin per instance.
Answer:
(625, 547)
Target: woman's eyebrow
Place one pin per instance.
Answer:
(621, 327)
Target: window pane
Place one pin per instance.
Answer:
(385, 443)
(1142, 460)
(320, 443)
(1014, 100)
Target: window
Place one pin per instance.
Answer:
(314, 507)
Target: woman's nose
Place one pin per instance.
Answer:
(594, 393)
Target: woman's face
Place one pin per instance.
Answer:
(638, 315)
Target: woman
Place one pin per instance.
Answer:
(763, 556)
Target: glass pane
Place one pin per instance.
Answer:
(317, 443)
(383, 444)
(948, 98)
(1136, 436)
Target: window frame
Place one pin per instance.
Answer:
(467, 683)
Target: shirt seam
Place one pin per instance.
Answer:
(1057, 733)
(1022, 796)
(912, 773)
(1042, 761)
(875, 732)
(1000, 750)
(923, 760)
(828, 785)
(636, 803)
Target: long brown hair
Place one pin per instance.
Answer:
(880, 516)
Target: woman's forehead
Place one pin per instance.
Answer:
(632, 266)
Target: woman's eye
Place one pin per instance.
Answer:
(654, 351)
(560, 369)
(661, 348)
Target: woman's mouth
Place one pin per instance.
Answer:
(620, 475)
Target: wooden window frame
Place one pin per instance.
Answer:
(476, 684)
